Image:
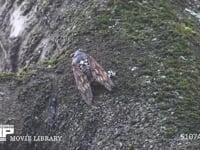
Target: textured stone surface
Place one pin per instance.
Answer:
(153, 46)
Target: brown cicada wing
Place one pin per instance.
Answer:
(82, 84)
(99, 74)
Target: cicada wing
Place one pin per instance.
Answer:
(82, 84)
(99, 74)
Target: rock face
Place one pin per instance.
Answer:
(34, 31)
(153, 46)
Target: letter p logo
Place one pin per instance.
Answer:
(5, 130)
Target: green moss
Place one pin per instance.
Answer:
(176, 50)
(190, 116)
(52, 63)
(56, 60)
(169, 133)
(21, 75)
(148, 72)
(164, 95)
(44, 2)
(165, 106)
(143, 62)
(169, 87)
(183, 30)
(7, 74)
(130, 146)
(104, 19)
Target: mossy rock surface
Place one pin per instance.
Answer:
(154, 48)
